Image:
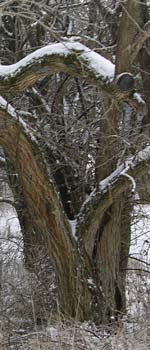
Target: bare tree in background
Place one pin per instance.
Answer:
(72, 125)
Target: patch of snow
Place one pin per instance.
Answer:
(53, 332)
(138, 98)
(124, 173)
(71, 25)
(100, 65)
(65, 106)
(131, 179)
(9, 108)
(116, 173)
(122, 75)
(143, 155)
(10, 233)
(5, 105)
(91, 283)
(73, 225)
(2, 160)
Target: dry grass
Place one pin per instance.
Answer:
(19, 329)
(81, 337)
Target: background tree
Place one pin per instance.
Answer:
(67, 135)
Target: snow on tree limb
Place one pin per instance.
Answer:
(109, 190)
(74, 59)
(135, 166)
(7, 107)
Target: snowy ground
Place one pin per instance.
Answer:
(11, 245)
(140, 242)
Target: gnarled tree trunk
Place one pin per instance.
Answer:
(90, 266)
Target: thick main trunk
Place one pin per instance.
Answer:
(107, 247)
(83, 281)
(107, 261)
(43, 219)
(113, 235)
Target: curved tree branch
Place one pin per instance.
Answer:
(74, 59)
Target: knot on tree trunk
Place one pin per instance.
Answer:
(125, 81)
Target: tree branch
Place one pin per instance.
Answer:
(74, 59)
(109, 190)
(139, 41)
(139, 260)
(7, 201)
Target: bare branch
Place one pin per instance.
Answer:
(135, 269)
(139, 41)
(139, 260)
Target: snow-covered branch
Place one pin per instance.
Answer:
(118, 182)
(121, 180)
(72, 58)
(8, 108)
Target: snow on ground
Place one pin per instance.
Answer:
(10, 234)
(140, 241)
(8, 220)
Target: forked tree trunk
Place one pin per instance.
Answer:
(90, 270)
(45, 220)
